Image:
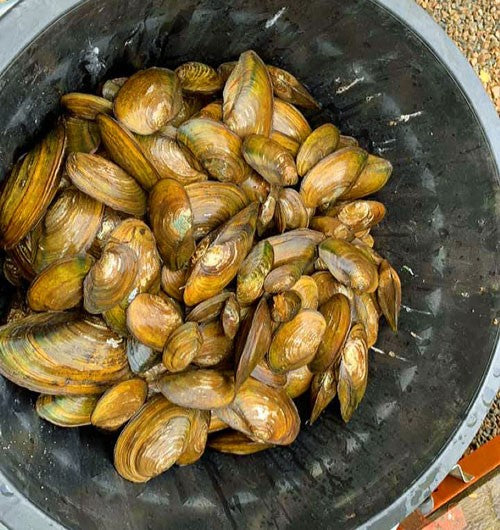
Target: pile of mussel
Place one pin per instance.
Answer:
(191, 257)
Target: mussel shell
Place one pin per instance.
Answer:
(214, 203)
(119, 403)
(198, 78)
(263, 373)
(69, 227)
(171, 160)
(367, 313)
(323, 390)
(255, 187)
(189, 107)
(222, 259)
(331, 227)
(213, 111)
(86, 106)
(148, 100)
(320, 143)
(307, 289)
(66, 411)
(153, 440)
(270, 160)
(172, 282)
(30, 188)
(106, 182)
(347, 141)
(111, 278)
(253, 342)
(172, 222)
(298, 381)
(361, 215)
(295, 342)
(285, 306)
(285, 141)
(209, 309)
(263, 413)
(236, 443)
(337, 313)
(215, 146)
(290, 211)
(224, 69)
(199, 389)
(141, 358)
(349, 265)
(216, 424)
(152, 318)
(267, 210)
(284, 277)
(332, 176)
(371, 254)
(61, 353)
(295, 245)
(287, 87)
(289, 121)
(125, 150)
(182, 347)
(353, 372)
(230, 317)
(82, 136)
(111, 87)
(23, 254)
(197, 439)
(389, 294)
(372, 178)
(248, 97)
(253, 272)
(110, 220)
(60, 285)
(215, 345)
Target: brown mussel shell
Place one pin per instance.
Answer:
(295, 245)
(230, 317)
(215, 345)
(288, 88)
(290, 211)
(361, 215)
(285, 306)
(323, 390)
(182, 347)
(331, 227)
(197, 438)
(198, 78)
(111, 87)
(86, 106)
(236, 443)
(66, 411)
(209, 309)
(298, 381)
(253, 272)
(366, 309)
(289, 121)
(389, 294)
(372, 178)
(216, 424)
(213, 111)
(82, 136)
(307, 289)
(283, 278)
(285, 141)
(320, 143)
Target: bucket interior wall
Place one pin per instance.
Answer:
(377, 81)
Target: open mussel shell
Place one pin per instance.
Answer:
(289, 121)
(263, 413)
(222, 259)
(66, 411)
(290, 211)
(60, 285)
(153, 440)
(366, 309)
(337, 314)
(307, 289)
(216, 424)
(209, 309)
(110, 220)
(298, 381)
(349, 265)
(353, 371)
(372, 178)
(197, 438)
(152, 318)
(288, 88)
(331, 227)
(111, 87)
(289, 143)
(106, 182)
(253, 272)
(253, 342)
(119, 403)
(295, 245)
(215, 345)
(125, 151)
(148, 100)
(215, 146)
(295, 342)
(172, 222)
(332, 176)
(323, 390)
(214, 203)
(389, 294)
(284, 277)
(198, 78)
(61, 353)
(30, 188)
(199, 389)
(248, 97)
(320, 143)
(230, 317)
(270, 160)
(361, 215)
(170, 159)
(82, 135)
(172, 282)
(236, 443)
(111, 279)
(182, 347)
(213, 111)
(285, 306)
(86, 106)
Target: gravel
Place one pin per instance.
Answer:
(474, 26)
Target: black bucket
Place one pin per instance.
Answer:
(404, 91)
